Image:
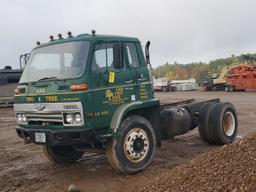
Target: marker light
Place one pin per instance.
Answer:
(17, 91)
(93, 31)
(60, 36)
(69, 34)
(75, 87)
(51, 37)
(38, 42)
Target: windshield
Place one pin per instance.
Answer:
(59, 61)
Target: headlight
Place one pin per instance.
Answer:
(73, 119)
(78, 118)
(69, 118)
(19, 118)
(24, 118)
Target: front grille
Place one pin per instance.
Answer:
(53, 118)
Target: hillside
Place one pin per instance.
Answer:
(199, 70)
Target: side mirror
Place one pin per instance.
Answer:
(24, 60)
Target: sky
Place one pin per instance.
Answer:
(180, 31)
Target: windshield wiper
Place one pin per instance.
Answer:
(48, 78)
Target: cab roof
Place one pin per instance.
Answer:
(89, 37)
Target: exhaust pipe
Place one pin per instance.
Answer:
(147, 59)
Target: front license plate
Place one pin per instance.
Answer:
(40, 137)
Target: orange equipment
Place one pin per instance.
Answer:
(241, 77)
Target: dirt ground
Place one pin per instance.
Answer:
(25, 168)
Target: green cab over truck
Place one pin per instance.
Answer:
(95, 92)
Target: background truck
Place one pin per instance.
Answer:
(185, 85)
(9, 79)
(95, 92)
(237, 76)
(163, 85)
(241, 78)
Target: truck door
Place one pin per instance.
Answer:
(112, 85)
(135, 63)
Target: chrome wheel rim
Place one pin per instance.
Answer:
(136, 145)
(229, 123)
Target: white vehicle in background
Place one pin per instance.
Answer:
(163, 85)
(185, 85)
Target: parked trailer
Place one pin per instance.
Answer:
(241, 78)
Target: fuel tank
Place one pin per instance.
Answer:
(175, 121)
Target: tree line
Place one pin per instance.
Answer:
(198, 70)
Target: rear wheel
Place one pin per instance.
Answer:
(62, 154)
(174, 89)
(232, 88)
(133, 148)
(205, 131)
(164, 89)
(223, 123)
(227, 88)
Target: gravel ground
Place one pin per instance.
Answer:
(229, 168)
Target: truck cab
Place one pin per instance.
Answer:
(76, 91)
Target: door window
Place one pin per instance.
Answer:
(106, 56)
(131, 59)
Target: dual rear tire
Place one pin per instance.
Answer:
(218, 123)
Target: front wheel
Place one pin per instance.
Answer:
(133, 148)
(62, 154)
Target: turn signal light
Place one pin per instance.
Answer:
(17, 91)
(76, 87)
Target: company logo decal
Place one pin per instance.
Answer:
(40, 107)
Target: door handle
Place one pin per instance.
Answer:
(142, 79)
(128, 81)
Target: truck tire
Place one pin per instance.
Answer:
(232, 88)
(223, 123)
(174, 89)
(227, 88)
(165, 89)
(62, 154)
(133, 148)
(204, 128)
